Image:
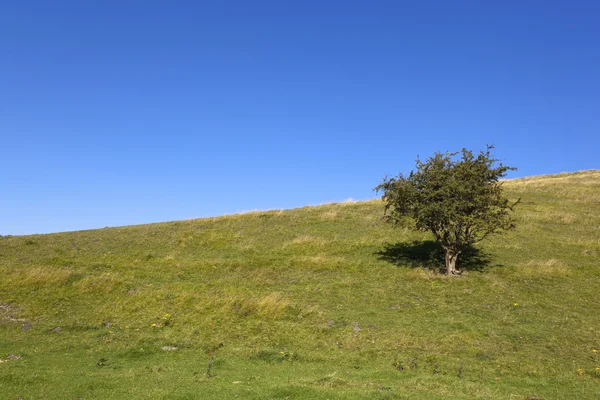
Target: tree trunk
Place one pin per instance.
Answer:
(451, 257)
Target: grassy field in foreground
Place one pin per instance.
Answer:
(323, 302)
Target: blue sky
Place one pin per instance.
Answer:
(126, 112)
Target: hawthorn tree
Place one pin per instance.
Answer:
(458, 199)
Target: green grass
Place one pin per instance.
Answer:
(322, 302)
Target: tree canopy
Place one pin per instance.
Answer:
(458, 199)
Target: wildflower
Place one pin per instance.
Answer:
(579, 371)
(594, 350)
(515, 304)
(167, 316)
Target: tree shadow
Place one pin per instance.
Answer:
(429, 254)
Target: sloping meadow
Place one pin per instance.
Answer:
(319, 302)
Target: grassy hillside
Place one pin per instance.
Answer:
(322, 302)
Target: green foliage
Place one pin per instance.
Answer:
(460, 201)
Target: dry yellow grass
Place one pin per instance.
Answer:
(9, 314)
(261, 276)
(40, 276)
(270, 306)
(589, 177)
(306, 239)
(554, 216)
(329, 215)
(323, 259)
(104, 283)
(551, 267)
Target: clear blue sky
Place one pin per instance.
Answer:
(126, 112)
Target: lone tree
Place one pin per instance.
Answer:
(458, 199)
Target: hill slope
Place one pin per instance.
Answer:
(319, 302)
